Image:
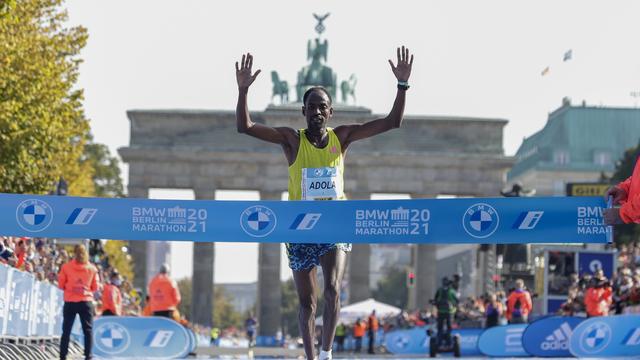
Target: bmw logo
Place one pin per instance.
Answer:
(112, 338)
(480, 220)
(34, 215)
(258, 221)
(595, 338)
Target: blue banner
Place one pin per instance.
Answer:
(415, 341)
(607, 336)
(500, 220)
(589, 263)
(503, 341)
(193, 342)
(549, 337)
(141, 337)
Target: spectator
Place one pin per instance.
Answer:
(493, 311)
(446, 301)
(372, 329)
(359, 329)
(164, 293)
(519, 304)
(250, 325)
(111, 297)
(341, 333)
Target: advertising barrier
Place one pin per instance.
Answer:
(415, 341)
(549, 337)
(141, 337)
(488, 220)
(607, 336)
(28, 308)
(503, 341)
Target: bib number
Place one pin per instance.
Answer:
(321, 183)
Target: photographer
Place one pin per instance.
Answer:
(598, 297)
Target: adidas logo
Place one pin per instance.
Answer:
(559, 339)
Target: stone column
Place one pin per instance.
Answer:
(202, 281)
(269, 299)
(359, 263)
(425, 265)
(138, 248)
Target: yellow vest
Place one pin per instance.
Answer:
(311, 157)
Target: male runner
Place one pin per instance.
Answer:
(318, 152)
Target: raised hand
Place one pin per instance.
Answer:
(617, 194)
(243, 72)
(403, 70)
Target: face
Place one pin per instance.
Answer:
(317, 110)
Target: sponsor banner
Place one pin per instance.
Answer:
(589, 263)
(268, 341)
(142, 337)
(587, 189)
(549, 337)
(193, 342)
(415, 341)
(503, 341)
(495, 220)
(607, 336)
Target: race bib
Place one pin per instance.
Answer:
(323, 183)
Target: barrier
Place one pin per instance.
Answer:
(503, 341)
(549, 337)
(415, 341)
(607, 336)
(496, 220)
(28, 308)
(141, 337)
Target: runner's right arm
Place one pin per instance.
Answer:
(279, 135)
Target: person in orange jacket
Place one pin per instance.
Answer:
(164, 294)
(79, 280)
(627, 194)
(598, 298)
(111, 296)
(372, 329)
(146, 310)
(359, 329)
(519, 304)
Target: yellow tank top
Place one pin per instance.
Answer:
(309, 166)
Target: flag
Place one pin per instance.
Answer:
(545, 71)
(567, 55)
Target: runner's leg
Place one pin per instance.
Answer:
(306, 285)
(333, 264)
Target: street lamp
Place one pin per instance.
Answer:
(61, 187)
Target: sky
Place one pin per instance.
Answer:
(472, 58)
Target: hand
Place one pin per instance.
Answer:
(403, 70)
(243, 73)
(612, 216)
(617, 194)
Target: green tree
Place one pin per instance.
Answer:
(119, 258)
(392, 288)
(42, 125)
(224, 314)
(624, 169)
(106, 177)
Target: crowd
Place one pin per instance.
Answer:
(43, 258)
(598, 296)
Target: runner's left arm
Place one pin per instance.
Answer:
(350, 133)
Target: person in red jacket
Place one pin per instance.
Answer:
(519, 304)
(626, 194)
(78, 279)
(111, 297)
(598, 298)
(164, 294)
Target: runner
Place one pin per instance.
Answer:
(316, 154)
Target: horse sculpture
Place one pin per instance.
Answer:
(348, 87)
(280, 88)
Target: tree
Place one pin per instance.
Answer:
(118, 255)
(392, 288)
(106, 177)
(224, 314)
(624, 169)
(42, 124)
